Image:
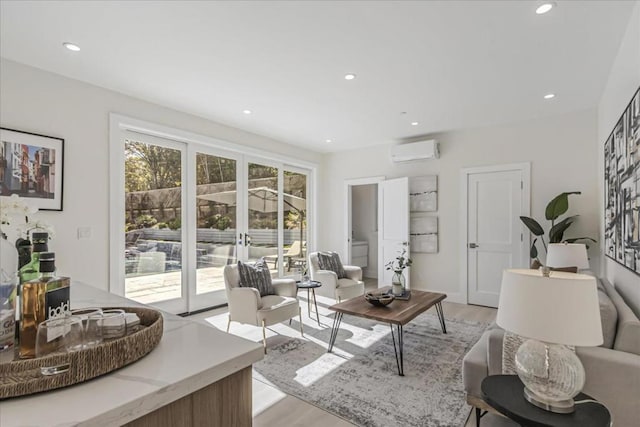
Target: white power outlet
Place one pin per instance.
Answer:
(84, 233)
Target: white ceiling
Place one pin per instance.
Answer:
(448, 65)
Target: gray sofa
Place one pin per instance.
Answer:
(612, 370)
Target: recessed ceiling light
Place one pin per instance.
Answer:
(550, 95)
(246, 111)
(414, 123)
(349, 76)
(329, 140)
(71, 46)
(545, 7)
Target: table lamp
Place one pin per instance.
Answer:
(567, 255)
(553, 312)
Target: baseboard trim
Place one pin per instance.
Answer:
(451, 296)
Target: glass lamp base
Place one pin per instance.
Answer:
(557, 406)
(551, 373)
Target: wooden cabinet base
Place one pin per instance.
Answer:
(226, 403)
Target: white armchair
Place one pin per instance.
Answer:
(332, 287)
(247, 306)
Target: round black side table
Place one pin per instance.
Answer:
(505, 393)
(310, 286)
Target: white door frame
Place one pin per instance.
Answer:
(525, 168)
(348, 183)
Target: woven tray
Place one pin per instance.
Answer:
(23, 377)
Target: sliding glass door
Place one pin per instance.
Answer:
(214, 229)
(262, 214)
(192, 209)
(154, 173)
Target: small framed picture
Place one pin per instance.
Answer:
(31, 166)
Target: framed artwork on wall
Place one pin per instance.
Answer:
(31, 166)
(424, 234)
(622, 188)
(423, 193)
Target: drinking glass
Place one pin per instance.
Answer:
(84, 313)
(114, 324)
(93, 330)
(59, 335)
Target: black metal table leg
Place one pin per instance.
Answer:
(441, 317)
(334, 331)
(479, 414)
(400, 349)
(315, 302)
(308, 303)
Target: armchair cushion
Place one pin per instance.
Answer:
(285, 287)
(256, 276)
(331, 261)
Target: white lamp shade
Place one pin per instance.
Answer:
(560, 309)
(567, 255)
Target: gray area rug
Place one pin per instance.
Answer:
(359, 381)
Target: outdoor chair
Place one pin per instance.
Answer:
(247, 306)
(294, 256)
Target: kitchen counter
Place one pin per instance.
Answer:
(195, 373)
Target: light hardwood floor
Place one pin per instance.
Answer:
(272, 407)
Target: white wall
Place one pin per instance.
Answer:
(41, 102)
(562, 153)
(624, 80)
(364, 222)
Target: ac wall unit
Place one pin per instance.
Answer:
(421, 150)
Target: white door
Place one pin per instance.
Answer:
(394, 235)
(495, 201)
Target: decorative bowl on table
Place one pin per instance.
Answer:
(379, 299)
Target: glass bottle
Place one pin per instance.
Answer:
(44, 298)
(30, 271)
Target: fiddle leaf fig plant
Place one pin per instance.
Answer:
(555, 209)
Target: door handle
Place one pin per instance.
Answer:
(473, 246)
(247, 239)
(240, 239)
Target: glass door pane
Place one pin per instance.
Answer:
(295, 222)
(262, 214)
(153, 216)
(216, 226)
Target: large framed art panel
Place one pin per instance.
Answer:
(622, 188)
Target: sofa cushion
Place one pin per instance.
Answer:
(628, 329)
(474, 366)
(256, 276)
(331, 261)
(609, 319)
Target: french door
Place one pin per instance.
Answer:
(191, 209)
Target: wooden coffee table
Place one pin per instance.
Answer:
(397, 313)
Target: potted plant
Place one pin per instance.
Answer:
(557, 207)
(398, 266)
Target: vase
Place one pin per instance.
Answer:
(397, 284)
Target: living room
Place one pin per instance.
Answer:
(323, 90)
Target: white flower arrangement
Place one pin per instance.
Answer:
(14, 218)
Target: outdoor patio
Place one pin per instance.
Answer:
(152, 288)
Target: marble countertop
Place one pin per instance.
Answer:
(189, 357)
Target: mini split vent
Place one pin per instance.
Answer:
(420, 150)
